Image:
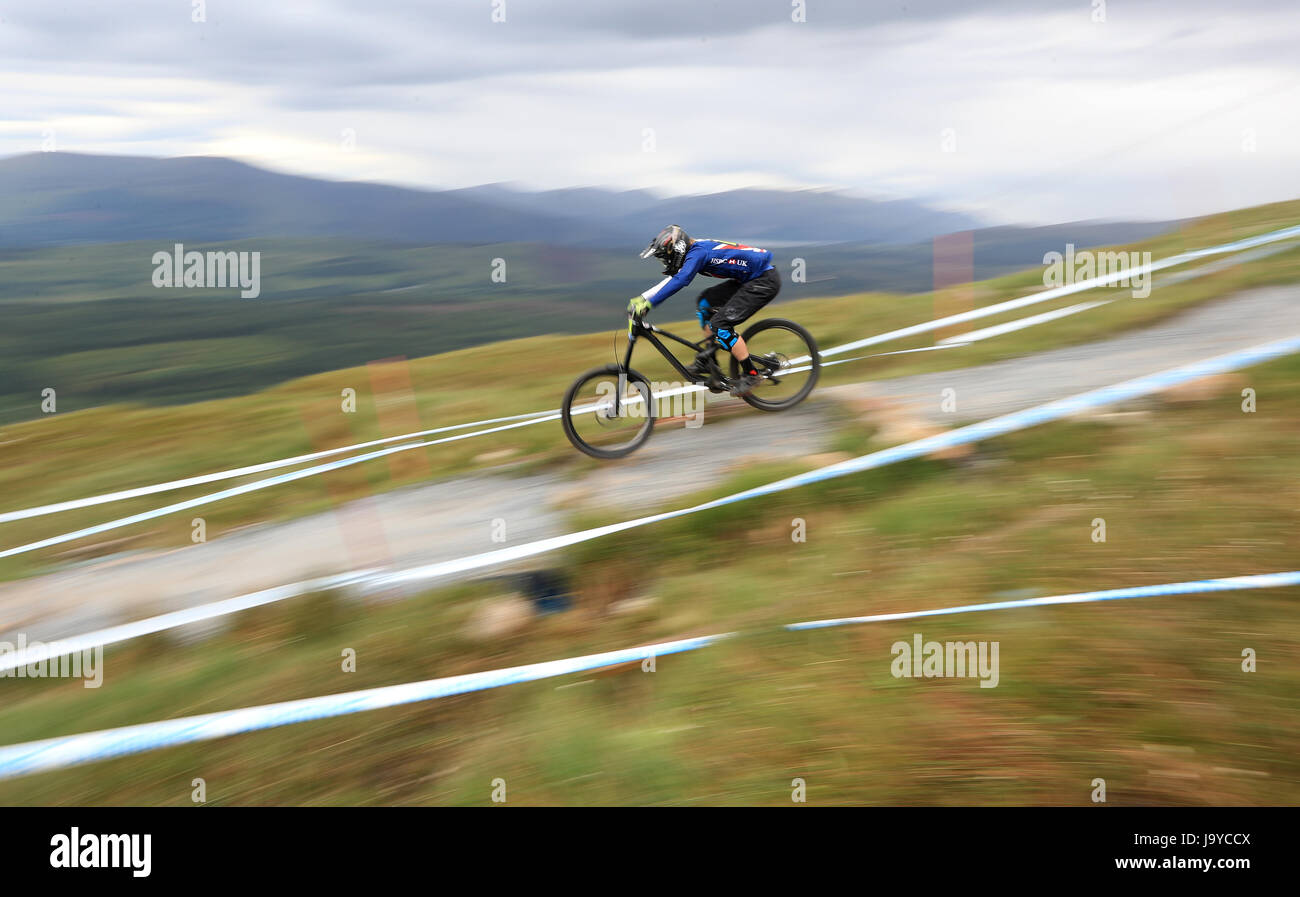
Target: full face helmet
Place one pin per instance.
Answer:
(670, 248)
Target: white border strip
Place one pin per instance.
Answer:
(71, 750)
(1007, 423)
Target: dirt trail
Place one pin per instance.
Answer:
(456, 517)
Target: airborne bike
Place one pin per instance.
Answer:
(609, 411)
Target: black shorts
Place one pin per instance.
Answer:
(731, 302)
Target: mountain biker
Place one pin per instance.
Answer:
(749, 281)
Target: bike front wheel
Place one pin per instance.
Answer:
(608, 412)
(787, 356)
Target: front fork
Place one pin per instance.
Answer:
(633, 330)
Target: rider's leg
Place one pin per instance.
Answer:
(712, 299)
(706, 306)
(728, 338)
(741, 353)
(744, 302)
(725, 335)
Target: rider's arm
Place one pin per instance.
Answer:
(691, 266)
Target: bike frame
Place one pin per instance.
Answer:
(640, 328)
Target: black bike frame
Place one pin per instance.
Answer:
(640, 328)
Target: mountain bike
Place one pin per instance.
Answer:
(609, 411)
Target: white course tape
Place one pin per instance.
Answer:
(255, 486)
(72, 750)
(1020, 323)
(541, 416)
(200, 480)
(1032, 320)
(1067, 290)
(1259, 581)
(37, 653)
(1017, 420)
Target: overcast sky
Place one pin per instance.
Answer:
(1164, 109)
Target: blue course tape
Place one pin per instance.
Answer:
(71, 750)
(55, 753)
(1260, 581)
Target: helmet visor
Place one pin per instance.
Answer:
(663, 245)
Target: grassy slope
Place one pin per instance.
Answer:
(1147, 694)
(115, 447)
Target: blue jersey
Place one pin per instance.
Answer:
(713, 258)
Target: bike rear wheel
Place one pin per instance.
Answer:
(788, 355)
(608, 412)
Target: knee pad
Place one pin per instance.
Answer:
(725, 337)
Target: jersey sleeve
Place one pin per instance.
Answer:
(690, 267)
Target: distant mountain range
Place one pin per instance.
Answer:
(53, 199)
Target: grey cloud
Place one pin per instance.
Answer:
(340, 44)
(422, 78)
